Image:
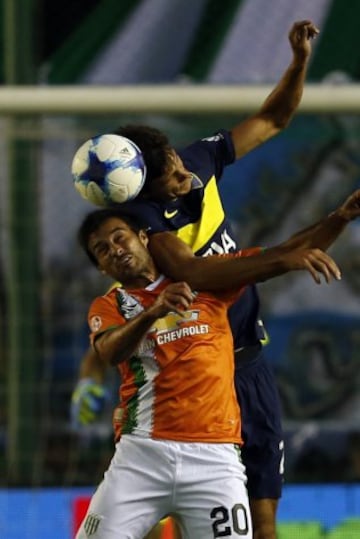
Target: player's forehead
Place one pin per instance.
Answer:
(112, 224)
(108, 228)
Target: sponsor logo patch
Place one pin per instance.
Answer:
(95, 323)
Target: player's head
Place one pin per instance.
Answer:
(117, 245)
(166, 176)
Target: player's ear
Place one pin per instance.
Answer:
(143, 237)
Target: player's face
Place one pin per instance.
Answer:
(176, 181)
(122, 253)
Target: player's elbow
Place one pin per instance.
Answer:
(281, 123)
(276, 120)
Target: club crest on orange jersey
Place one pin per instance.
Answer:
(128, 305)
(95, 323)
(174, 320)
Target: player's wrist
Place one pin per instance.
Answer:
(300, 60)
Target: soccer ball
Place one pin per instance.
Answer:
(108, 169)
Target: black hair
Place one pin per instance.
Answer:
(96, 218)
(154, 146)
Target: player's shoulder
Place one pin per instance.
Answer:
(207, 157)
(107, 299)
(218, 143)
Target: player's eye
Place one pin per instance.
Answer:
(101, 250)
(119, 237)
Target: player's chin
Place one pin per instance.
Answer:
(125, 273)
(119, 272)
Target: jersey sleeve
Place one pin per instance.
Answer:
(210, 155)
(103, 317)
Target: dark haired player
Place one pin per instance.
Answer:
(180, 198)
(178, 421)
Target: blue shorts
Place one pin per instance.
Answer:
(263, 449)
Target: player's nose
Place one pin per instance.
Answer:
(116, 249)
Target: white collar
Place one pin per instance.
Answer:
(156, 283)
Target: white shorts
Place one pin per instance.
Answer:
(203, 485)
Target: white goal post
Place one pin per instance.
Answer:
(167, 99)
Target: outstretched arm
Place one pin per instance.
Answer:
(175, 259)
(280, 106)
(302, 251)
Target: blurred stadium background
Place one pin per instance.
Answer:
(47, 472)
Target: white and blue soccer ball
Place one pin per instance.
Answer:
(108, 169)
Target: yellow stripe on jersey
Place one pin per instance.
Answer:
(197, 235)
(112, 286)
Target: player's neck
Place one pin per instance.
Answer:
(143, 279)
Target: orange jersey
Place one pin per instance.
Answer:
(179, 383)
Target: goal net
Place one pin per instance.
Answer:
(47, 284)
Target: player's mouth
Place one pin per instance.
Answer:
(124, 260)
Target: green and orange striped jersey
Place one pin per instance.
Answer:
(179, 383)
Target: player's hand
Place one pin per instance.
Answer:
(87, 402)
(315, 261)
(350, 209)
(176, 297)
(300, 36)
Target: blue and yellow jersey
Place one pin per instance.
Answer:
(198, 218)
